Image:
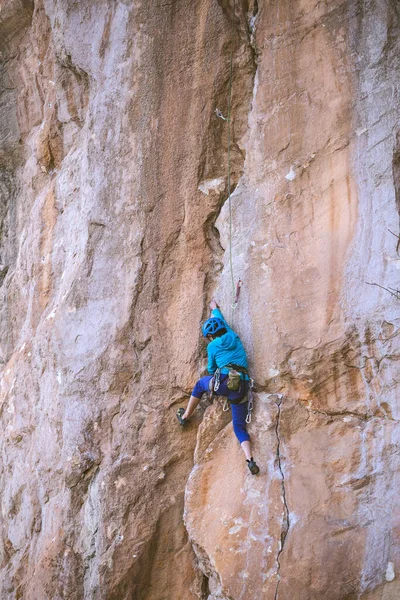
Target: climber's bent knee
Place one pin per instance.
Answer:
(202, 386)
(239, 413)
(241, 433)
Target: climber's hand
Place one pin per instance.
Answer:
(213, 304)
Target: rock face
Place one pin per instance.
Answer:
(114, 235)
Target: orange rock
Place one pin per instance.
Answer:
(115, 234)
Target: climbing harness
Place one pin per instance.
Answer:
(215, 385)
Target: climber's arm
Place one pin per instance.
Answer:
(217, 313)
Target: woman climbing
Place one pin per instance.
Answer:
(227, 363)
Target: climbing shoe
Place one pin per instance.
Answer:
(179, 415)
(253, 467)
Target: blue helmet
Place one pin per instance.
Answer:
(211, 326)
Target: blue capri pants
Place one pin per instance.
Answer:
(239, 411)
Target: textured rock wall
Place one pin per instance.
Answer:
(311, 218)
(114, 234)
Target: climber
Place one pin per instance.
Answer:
(227, 363)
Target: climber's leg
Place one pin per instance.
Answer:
(201, 387)
(239, 413)
(191, 407)
(246, 447)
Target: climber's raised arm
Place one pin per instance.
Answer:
(216, 312)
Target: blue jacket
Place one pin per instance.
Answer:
(226, 349)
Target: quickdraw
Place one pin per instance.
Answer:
(250, 405)
(217, 380)
(214, 384)
(237, 294)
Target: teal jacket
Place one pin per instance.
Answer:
(226, 349)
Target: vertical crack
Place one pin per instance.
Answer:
(205, 587)
(286, 513)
